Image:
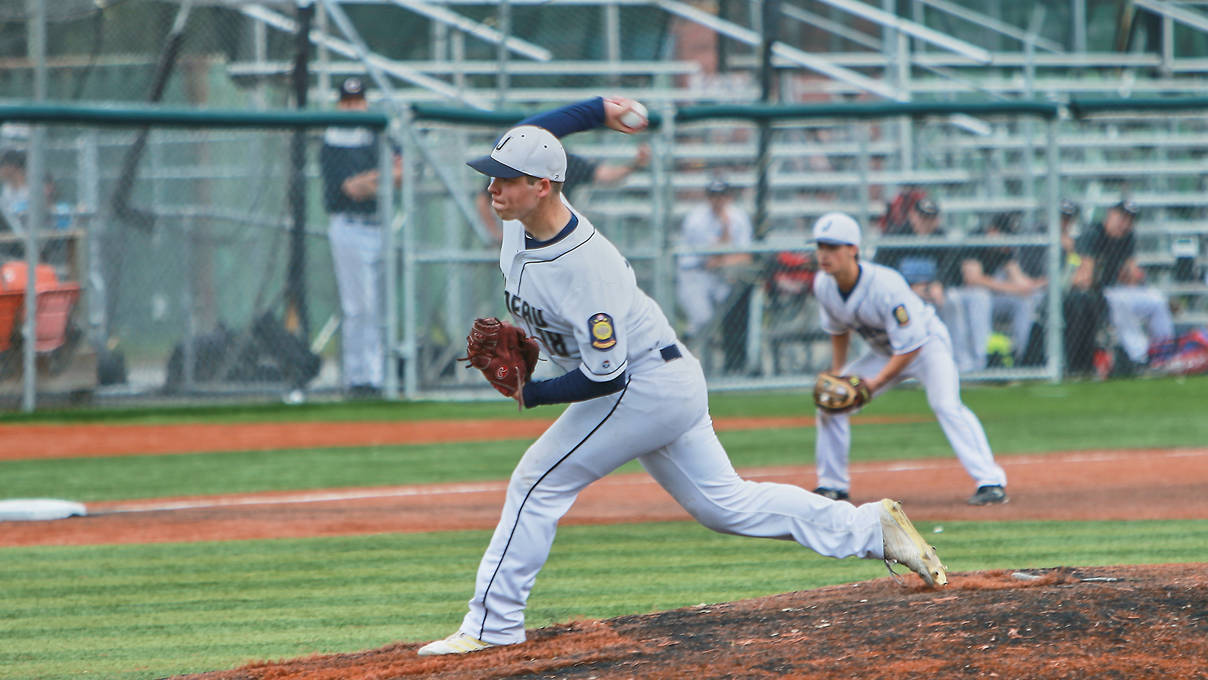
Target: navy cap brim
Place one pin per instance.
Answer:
(493, 168)
(832, 242)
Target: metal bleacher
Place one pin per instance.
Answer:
(829, 51)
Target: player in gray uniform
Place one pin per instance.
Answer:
(636, 393)
(906, 340)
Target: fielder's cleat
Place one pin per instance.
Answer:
(904, 545)
(833, 494)
(990, 494)
(457, 643)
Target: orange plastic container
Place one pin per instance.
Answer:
(55, 301)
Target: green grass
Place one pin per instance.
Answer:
(1019, 419)
(135, 612)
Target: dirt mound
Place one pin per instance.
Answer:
(1105, 622)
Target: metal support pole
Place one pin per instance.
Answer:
(502, 82)
(389, 299)
(662, 196)
(408, 347)
(1167, 45)
(89, 183)
(296, 316)
(1056, 320)
(34, 179)
(864, 170)
(770, 21)
(1078, 25)
(612, 37)
(1029, 47)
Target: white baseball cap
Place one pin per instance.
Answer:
(837, 228)
(525, 150)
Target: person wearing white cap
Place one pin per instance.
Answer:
(906, 339)
(635, 392)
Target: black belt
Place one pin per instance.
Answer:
(670, 352)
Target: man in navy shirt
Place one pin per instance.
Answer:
(348, 162)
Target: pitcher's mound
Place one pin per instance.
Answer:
(1067, 622)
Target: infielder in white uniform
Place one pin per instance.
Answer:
(906, 340)
(636, 393)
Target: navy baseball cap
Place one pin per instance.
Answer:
(1127, 207)
(352, 88)
(717, 186)
(1069, 208)
(926, 206)
(525, 150)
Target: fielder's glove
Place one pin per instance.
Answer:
(840, 393)
(503, 353)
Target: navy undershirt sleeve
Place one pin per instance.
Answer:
(573, 386)
(577, 117)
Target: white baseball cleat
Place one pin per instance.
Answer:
(904, 545)
(457, 643)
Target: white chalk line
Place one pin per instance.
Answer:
(1095, 456)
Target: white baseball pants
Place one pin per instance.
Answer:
(935, 368)
(1135, 310)
(356, 252)
(661, 418)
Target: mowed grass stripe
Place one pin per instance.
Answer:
(1022, 419)
(113, 479)
(112, 616)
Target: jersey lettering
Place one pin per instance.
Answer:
(874, 336)
(555, 343)
(534, 315)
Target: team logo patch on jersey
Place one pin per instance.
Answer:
(602, 334)
(901, 315)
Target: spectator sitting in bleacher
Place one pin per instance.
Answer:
(992, 281)
(1034, 260)
(706, 283)
(896, 220)
(1139, 313)
(928, 268)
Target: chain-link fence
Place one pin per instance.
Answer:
(178, 254)
(960, 204)
(167, 249)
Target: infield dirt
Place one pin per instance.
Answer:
(1070, 623)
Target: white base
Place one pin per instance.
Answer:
(35, 509)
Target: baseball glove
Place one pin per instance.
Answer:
(840, 393)
(503, 353)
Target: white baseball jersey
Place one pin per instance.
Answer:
(882, 308)
(580, 298)
(892, 319)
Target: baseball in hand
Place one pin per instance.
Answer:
(635, 117)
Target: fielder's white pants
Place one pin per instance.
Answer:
(356, 252)
(699, 293)
(1134, 309)
(936, 370)
(661, 418)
